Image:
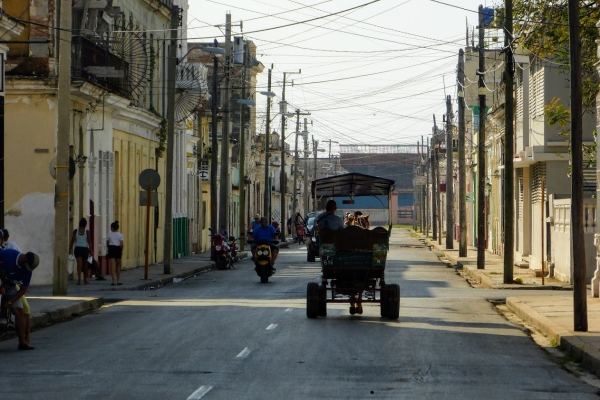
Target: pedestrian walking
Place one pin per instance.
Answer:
(114, 242)
(83, 248)
(6, 244)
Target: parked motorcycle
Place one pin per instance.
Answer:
(262, 260)
(220, 250)
(234, 251)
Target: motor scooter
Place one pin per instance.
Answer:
(220, 250)
(300, 233)
(234, 251)
(262, 259)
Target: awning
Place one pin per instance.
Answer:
(352, 184)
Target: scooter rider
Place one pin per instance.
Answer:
(267, 233)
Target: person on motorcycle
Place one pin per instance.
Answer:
(267, 233)
(254, 224)
(16, 269)
(328, 219)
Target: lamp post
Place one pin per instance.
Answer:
(216, 52)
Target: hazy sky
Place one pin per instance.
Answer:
(373, 72)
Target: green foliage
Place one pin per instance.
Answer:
(152, 72)
(162, 133)
(542, 27)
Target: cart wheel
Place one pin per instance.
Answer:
(384, 299)
(359, 309)
(393, 309)
(312, 300)
(310, 256)
(322, 301)
(352, 310)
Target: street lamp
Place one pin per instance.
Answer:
(216, 52)
(267, 194)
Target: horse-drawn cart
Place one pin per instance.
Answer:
(353, 259)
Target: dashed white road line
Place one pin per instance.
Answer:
(244, 353)
(271, 327)
(288, 309)
(201, 391)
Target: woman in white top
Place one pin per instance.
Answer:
(114, 242)
(83, 248)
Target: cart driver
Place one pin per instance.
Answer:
(267, 233)
(328, 219)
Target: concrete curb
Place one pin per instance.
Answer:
(479, 277)
(44, 317)
(573, 345)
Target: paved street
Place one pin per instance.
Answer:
(223, 335)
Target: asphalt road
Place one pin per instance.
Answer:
(224, 335)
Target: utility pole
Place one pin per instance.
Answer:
(168, 242)
(428, 171)
(294, 188)
(481, 150)
(283, 176)
(438, 195)
(225, 185)
(509, 133)
(315, 150)
(305, 168)
(434, 187)
(414, 211)
(462, 173)
(419, 191)
(267, 193)
(423, 191)
(242, 157)
(61, 211)
(449, 177)
(214, 155)
(580, 322)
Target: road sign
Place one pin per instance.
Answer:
(149, 177)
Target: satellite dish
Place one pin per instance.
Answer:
(189, 90)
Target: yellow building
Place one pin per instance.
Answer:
(118, 98)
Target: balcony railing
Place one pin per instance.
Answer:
(95, 63)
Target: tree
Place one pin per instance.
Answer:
(542, 27)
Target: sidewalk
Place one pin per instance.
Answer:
(551, 314)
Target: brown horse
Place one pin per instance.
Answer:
(357, 219)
